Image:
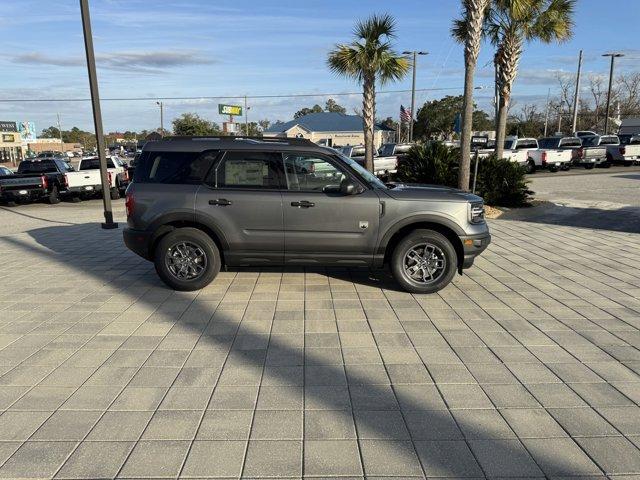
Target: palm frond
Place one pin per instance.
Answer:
(376, 26)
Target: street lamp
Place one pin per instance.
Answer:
(161, 105)
(613, 56)
(413, 87)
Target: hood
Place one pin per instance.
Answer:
(418, 191)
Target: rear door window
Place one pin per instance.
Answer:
(248, 170)
(173, 167)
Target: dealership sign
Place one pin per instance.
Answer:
(8, 126)
(234, 110)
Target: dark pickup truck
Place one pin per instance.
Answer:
(36, 179)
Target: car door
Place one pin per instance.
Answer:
(322, 225)
(241, 200)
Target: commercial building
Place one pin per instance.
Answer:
(331, 129)
(52, 144)
(11, 148)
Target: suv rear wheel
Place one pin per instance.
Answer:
(424, 262)
(187, 259)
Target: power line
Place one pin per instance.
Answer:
(219, 97)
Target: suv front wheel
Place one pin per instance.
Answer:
(424, 262)
(187, 259)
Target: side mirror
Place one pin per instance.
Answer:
(347, 187)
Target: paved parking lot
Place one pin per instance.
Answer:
(525, 367)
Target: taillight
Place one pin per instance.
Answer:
(544, 158)
(126, 175)
(580, 152)
(109, 177)
(129, 204)
(623, 150)
(65, 180)
(45, 182)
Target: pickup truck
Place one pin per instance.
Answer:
(389, 156)
(517, 150)
(20, 188)
(61, 178)
(555, 153)
(626, 151)
(118, 173)
(356, 152)
(592, 153)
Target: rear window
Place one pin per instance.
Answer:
(571, 142)
(548, 142)
(43, 166)
(590, 141)
(94, 164)
(609, 140)
(522, 144)
(387, 149)
(400, 149)
(358, 152)
(173, 167)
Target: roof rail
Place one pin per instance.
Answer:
(234, 138)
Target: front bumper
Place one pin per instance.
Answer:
(473, 245)
(138, 241)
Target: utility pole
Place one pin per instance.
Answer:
(413, 88)
(576, 95)
(613, 56)
(546, 113)
(246, 117)
(60, 132)
(97, 114)
(161, 105)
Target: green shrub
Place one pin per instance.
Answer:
(502, 183)
(432, 163)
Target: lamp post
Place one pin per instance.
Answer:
(415, 54)
(613, 56)
(161, 105)
(97, 114)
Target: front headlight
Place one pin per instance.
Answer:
(476, 212)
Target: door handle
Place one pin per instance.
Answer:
(223, 202)
(303, 204)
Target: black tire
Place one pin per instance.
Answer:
(606, 164)
(589, 166)
(553, 169)
(76, 199)
(53, 196)
(11, 204)
(415, 239)
(199, 239)
(531, 166)
(628, 164)
(114, 193)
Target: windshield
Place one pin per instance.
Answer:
(363, 172)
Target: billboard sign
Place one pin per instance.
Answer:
(8, 126)
(27, 130)
(233, 110)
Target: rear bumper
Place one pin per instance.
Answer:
(15, 195)
(138, 241)
(84, 190)
(473, 245)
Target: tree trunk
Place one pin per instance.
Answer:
(474, 16)
(368, 114)
(506, 59)
(501, 126)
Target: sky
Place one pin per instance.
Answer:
(204, 48)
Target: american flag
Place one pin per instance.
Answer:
(405, 114)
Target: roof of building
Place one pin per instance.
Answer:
(324, 122)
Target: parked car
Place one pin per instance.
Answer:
(389, 157)
(517, 150)
(5, 171)
(197, 204)
(626, 151)
(62, 180)
(554, 153)
(118, 173)
(591, 153)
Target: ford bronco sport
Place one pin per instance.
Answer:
(197, 204)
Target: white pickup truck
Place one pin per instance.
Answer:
(517, 150)
(626, 151)
(389, 155)
(118, 173)
(554, 153)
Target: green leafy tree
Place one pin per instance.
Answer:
(432, 163)
(332, 106)
(511, 23)
(306, 111)
(191, 124)
(370, 57)
(436, 118)
(50, 132)
(468, 30)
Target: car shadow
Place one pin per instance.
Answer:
(625, 219)
(100, 254)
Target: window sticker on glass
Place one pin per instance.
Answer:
(245, 172)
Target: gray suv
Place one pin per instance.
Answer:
(197, 204)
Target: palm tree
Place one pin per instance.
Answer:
(367, 59)
(468, 30)
(511, 23)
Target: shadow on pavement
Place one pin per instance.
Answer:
(439, 453)
(625, 219)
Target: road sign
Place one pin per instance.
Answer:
(234, 110)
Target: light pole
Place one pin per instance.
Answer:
(97, 114)
(161, 105)
(413, 88)
(613, 56)
(576, 95)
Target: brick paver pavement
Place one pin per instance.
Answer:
(527, 366)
